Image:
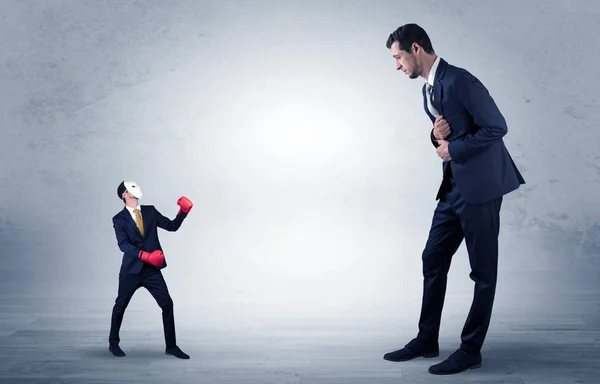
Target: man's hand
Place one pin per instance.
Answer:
(442, 150)
(441, 128)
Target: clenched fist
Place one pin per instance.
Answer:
(442, 150)
(441, 128)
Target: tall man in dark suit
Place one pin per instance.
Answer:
(137, 237)
(477, 172)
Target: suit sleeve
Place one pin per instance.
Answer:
(168, 224)
(475, 98)
(433, 139)
(128, 249)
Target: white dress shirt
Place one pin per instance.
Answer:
(133, 215)
(433, 70)
(429, 85)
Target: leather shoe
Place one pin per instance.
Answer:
(116, 350)
(457, 362)
(175, 351)
(415, 348)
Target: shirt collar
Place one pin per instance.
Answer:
(434, 67)
(131, 209)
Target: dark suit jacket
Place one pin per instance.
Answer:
(481, 165)
(130, 240)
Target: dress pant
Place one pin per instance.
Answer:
(152, 279)
(479, 225)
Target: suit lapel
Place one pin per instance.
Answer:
(132, 223)
(145, 218)
(438, 87)
(437, 96)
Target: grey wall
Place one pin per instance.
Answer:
(306, 154)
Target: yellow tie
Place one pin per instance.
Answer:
(139, 221)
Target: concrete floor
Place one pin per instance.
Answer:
(65, 341)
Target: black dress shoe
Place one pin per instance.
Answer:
(116, 350)
(457, 362)
(175, 351)
(415, 348)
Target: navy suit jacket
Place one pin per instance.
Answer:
(130, 240)
(481, 165)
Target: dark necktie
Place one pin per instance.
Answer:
(429, 92)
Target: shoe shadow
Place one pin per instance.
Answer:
(577, 360)
(132, 353)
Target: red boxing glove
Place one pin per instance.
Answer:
(185, 204)
(155, 258)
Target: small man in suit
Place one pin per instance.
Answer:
(137, 237)
(477, 172)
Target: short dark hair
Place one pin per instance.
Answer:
(121, 190)
(408, 34)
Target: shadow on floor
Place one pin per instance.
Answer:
(580, 359)
(137, 353)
